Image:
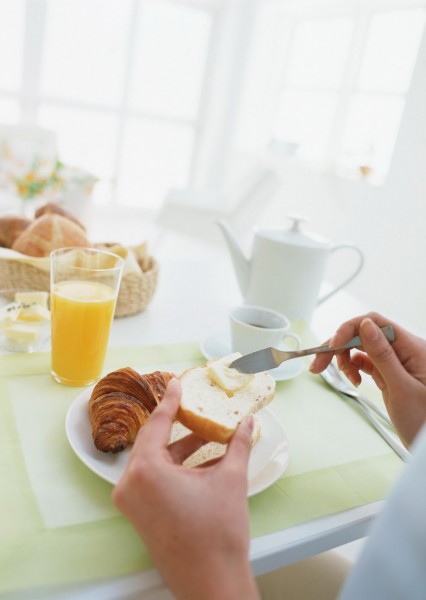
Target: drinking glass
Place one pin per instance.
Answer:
(84, 287)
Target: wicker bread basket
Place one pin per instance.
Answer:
(137, 287)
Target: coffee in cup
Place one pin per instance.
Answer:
(255, 327)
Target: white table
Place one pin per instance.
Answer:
(192, 302)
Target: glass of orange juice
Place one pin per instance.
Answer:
(84, 284)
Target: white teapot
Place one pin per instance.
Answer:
(286, 269)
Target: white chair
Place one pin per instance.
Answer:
(194, 213)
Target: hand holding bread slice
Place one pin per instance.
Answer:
(215, 399)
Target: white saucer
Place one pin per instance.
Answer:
(219, 345)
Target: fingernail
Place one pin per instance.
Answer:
(249, 422)
(370, 330)
(173, 385)
(332, 342)
(355, 382)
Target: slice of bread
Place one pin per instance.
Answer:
(214, 412)
(210, 451)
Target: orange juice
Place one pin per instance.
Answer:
(82, 313)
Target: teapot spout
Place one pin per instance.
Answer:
(242, 265)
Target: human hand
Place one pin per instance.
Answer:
(398, 369)
(194, 521)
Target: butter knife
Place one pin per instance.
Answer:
(270, 358)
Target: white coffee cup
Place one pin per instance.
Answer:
(256, 327)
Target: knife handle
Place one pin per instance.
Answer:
(388, 330)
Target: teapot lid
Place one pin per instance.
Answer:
(294, 235)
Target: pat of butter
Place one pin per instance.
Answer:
(20, 311)
(228, 379)
(34, 312)
(32, 298)
(21, 332)
(10, 312)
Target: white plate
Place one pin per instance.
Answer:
(268, 459)
(219, 345)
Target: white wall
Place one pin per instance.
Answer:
(388, 223)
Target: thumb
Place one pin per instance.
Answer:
(380, 352)
(240, 445)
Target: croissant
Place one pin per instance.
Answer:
(121, 403)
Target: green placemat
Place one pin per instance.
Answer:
(57, 521)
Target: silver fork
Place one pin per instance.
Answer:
(363, 404)
(334, 379)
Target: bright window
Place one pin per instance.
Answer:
(150, 162)
(11, 43)
(169, 60)
(376, 106)
(9, 111)
(370, 132)
(319, 53)
(155, 94)
(119, 81)
(391, 51)
(344, 86)
(85, 50)
(85, 138)
(307, 119)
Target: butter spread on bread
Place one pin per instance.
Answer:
(214, 411)
(228, 379)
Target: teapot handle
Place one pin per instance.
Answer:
(351, 277)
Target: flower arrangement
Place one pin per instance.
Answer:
(31, 175)
(34, 183)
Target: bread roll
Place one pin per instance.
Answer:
(57, 209)
(11, 226)
(212, 450)
(48, 233)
